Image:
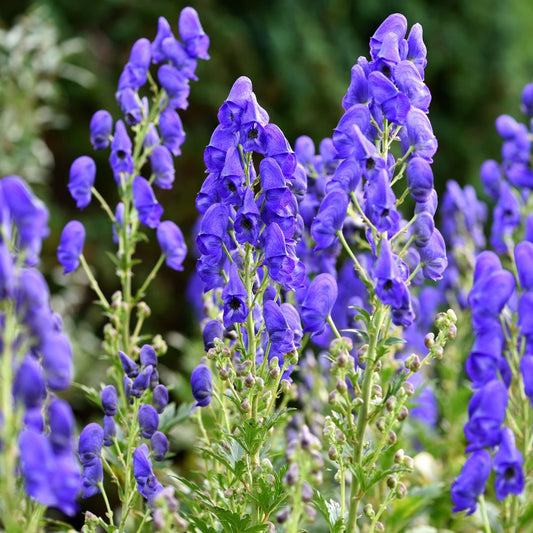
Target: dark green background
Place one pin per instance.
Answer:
(298, 54)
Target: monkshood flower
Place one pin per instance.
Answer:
(486, 412)
(172, 244)
(51, 478)
(147, 483)
(109, 400)
(29, 214)
(81, 180)
(101, 128)
(159, 445)
(121, 160)
(89, 448)
(148, 420)
(71, 246)
(318, 302)
(234, 297)
(202, 385)
(329, 219)
(508, 467)
(149, 209)
(471, 482)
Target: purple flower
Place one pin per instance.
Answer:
(171, 129)
(329, 219)
(149, 209)
(142, 381)
(486, 412)
(71, 246)
(491, 177)
(61, 422)
(148, 420)
(470, 484)
(163, 32)
(508, 467)
(160, 398)
(433, 256)
(159, 445)
(318, 303)
(193, 36)
(28, 213)
(109, 400)
(53, 480)
(93, 474)
(172, 244)
(130, 105)
(357, 92)
(246, 223)
(175, 84)
(390, 284)
(212, 330)
(162, 167)
(202, 385)
(90, 443)
(128, 365)
(148, 356)
(523, 254)
(101, 127)
(527, 100)
(110, 430)
(234, 297)
(81, 180)
(121, 160)
(57, 360)
(419, 135)
(419, 178)
(380, 202)
(28, 386)
(147, 483)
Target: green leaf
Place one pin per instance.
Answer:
(391, 341)
(331, 511)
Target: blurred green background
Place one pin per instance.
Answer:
(298, 54)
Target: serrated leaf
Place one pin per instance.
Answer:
(331, 511)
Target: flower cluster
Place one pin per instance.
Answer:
(158, 136)
(36, 362)
(499, 363)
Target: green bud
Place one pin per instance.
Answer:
(245, 406)
(403, 413)
(391, 482)
(429, 340)
(399, 456)
(401, 490)
(368, 511)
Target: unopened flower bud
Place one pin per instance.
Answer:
(409, 462)
(342, 360)
(403, 413)
(249, 380)
(377, 391)
(275, 373)
(408, 388)
(307, 492)
(310, 512)
(452, 332)
(390, 403)
(380, 424)
(379, 366)
(159, 345)
(437, 351)
(368, 511)
(285, 386)
(341, 386)
(391, 482)
(452, 317)
(292, 475)
(332, 453)
(401, 490)
(223, 374)
(245, 406)
(283, 515)
(362, 351)
(399, 457)
(380, 527)
(259, 384)
(332, 399)
(429, 340)
(412, 363)
(392, 437)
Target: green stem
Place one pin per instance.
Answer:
(484, 515)
(149, 278)
(104, 204)
(109, 512)
(94, 284)
(362, 416)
